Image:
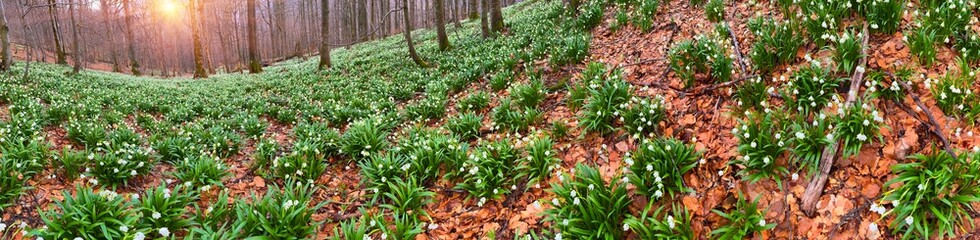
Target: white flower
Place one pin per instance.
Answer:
(123, 228)
(554, 201)
(658, 193)
(164, 232)
(139, 236)
(78, 238)
(577, 201)
(762, 222)
(626, 227)
(866, 122)
(800, 135)
(155, 215)
(909, 220)
(558, 236)
(862, 137)
(649, 167)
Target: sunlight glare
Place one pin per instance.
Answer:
(169, 7)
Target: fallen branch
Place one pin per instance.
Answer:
(738, 50)
(815, 188)
(933, 124)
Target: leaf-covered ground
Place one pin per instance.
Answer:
(236, 117)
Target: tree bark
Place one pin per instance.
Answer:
(195, 10)
(6, 59)
(408, 36)
(134, 65)
(496, 17)
(76, 49)
(362, 25)
(484, 23)
(59, 50)
(324, 34)
(254, 66)
(474, 11)
(441, 25)
(110, 35)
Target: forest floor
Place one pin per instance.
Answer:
(702, 116)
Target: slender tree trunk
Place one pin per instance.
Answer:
(76, 49)
(303, 32)
(474, 11)
(408, 36)
(110, 35)
(496, 17)
(362, 24)
(59, 50)
(441, 25)
(6, 59)
(134, 65)
(484, 22)
(195, 10)
(324, 34)
(254, 66)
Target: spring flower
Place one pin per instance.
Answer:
(577, 201)
(122, 228)
(164, 232)
(626, 227)
(554, 201)
(909, 220)
(762, 222)
(155, 215)
(862, 137)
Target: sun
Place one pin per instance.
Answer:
(169, 7)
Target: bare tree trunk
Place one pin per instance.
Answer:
(279, 27)
(254, 66)
(134, 65)
(303, 32)
(195, 10)
(324, 35)
(484, 23)
(110, 35)
(76, 51)
(496, 17)
(473, 9)
(362, 24)
(58, 48)
(6, 59)
(441, 25)
(408, 36)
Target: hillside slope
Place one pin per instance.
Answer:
(628, 119)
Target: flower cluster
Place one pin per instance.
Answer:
(762, 141)
(934, 194)
(702, 55)
(657, 167)
(586, 207)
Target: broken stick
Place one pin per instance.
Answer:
(815, 188)
(933, 124)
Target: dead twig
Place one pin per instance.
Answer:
(933, 124)
(815, 188)
(738, 50)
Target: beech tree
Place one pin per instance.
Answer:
(408, 36)
(134, 65)
(324, 34)
(6, 59)
(441, 25)
(254, 66)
